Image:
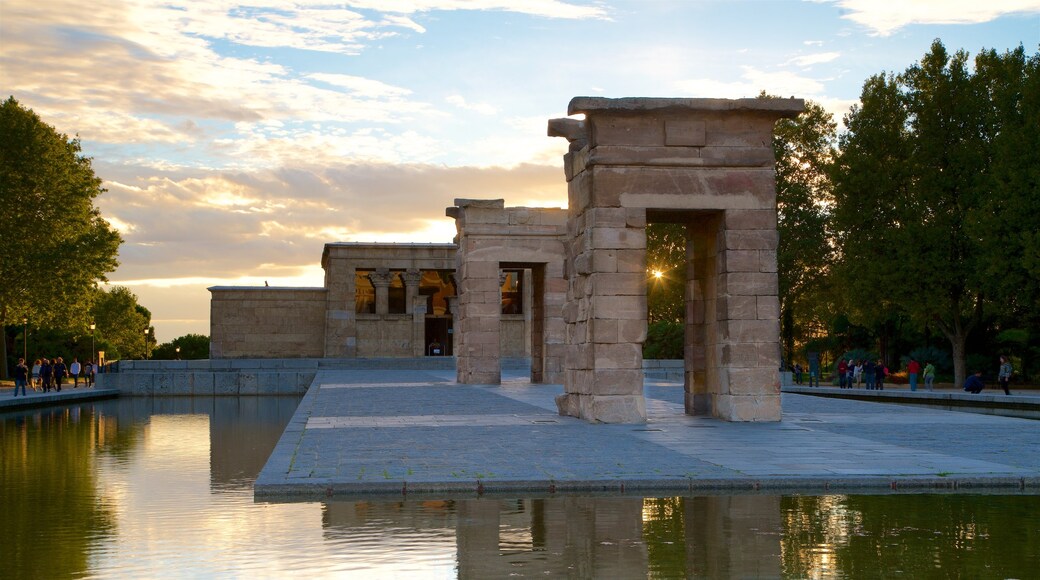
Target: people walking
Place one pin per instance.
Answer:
(21, 375)
(880, 372)
(74, 370)
(45, 374)
(88, 374)
(1004, 375)
(797, 373)
(869, 368)
(843, 370)
(929, 375)
(36, 376)
(913, 368)
(60, 372)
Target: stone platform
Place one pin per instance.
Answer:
(392, 433)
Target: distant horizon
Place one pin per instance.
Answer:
(236, 139)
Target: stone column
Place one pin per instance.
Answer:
(453, 309)
(411, 279)
(381, 279)
(748, 318)
(480, 309)
(701, 326)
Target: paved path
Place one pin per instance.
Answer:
(8, 402)
(388, 432)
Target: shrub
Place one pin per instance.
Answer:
(664, 340)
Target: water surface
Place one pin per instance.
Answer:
(162, 487)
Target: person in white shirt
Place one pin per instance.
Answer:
(74, 369)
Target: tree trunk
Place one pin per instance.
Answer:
(958, 343)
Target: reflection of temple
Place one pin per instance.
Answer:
(379, 300)
(586, 537)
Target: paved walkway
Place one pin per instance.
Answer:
(394, 432)
(8, 402)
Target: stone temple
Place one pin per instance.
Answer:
(566, 288)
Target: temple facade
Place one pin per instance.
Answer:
(378, 300)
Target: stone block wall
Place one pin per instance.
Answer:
(387, 335)
(262, 322)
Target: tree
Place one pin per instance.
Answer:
(193, 347)
(55, 246)
(914, 188)
(666, 279)
(804, 151)
(123, 323)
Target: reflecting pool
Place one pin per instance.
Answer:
(162, 487)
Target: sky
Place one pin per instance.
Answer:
(236, 137)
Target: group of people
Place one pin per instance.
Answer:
(853, 373)
(47, 374)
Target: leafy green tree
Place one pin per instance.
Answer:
(804, 151)
(666, 278)
(124, 324)
(192, 347)
(915, 185)
(55, 246)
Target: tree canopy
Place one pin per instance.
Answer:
(56, 246)
(925, 221)
(124, 324)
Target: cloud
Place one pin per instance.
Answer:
(753, 81)
(808, 60)
(482, 108)
(546, 8)
(885, 18)
(227, 224)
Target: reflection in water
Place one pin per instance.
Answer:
(162, 488)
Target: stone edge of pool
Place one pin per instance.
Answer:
(265, 491)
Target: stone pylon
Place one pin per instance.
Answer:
(706, 163)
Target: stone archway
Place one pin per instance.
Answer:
(707, 158)
(492, 237)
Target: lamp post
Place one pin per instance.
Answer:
(146, 344)
(178, 349)
(93, 353)
(25, 338)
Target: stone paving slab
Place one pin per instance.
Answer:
(399, 431)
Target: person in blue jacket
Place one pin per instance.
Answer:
(974, 383)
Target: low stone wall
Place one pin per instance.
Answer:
(231, 377)
(664, 369)
(287, 376)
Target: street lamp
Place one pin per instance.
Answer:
(93, 353)
(146, 344)
(178, 349)
(25, 338)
